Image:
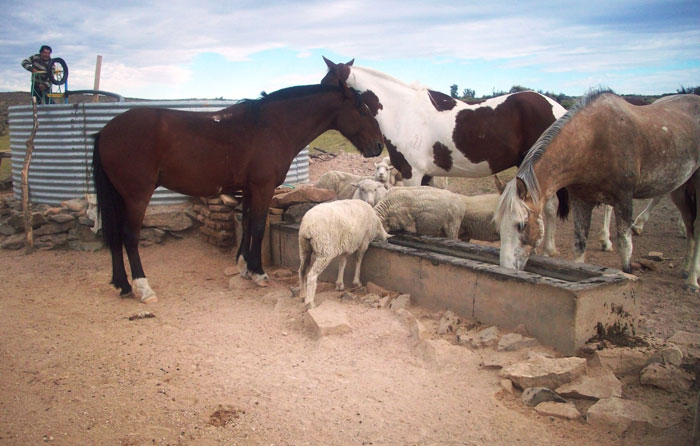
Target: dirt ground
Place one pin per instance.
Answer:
(233, 364)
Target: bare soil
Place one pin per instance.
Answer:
(233, 364)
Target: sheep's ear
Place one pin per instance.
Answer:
(376, 165)
(499, 184)
(355, 185)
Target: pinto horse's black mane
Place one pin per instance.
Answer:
(526, 170)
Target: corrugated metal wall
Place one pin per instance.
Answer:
(61, 162)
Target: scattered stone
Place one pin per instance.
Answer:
(295, 212)
(618, 415)
(532, 396)
(544, 372)
(373, 288)
(415, 327)
(648, 264)
(621, 360)
(7, 230)
(60, 217)
(168, 221)
(13, 242)
(371, 299)
(52, 228)
(521, 330)
(560, 410)
(598, 385)
(47, 242)
(229, 200)
(283, 274)
(448, 323)
(309, 194)
(688, 342)
(667, 377)
(401, 302)
(17, 220)
(327, 319)
(670, 355)
(507, 385)
(485, 338)
(75, 204)
(347, 295)
(511, 342)
(655, 256)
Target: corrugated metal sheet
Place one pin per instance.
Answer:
(62, 157)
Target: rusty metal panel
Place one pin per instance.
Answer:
(62, 157)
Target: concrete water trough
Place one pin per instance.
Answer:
(561, 303)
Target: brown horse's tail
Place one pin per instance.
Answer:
(110, 204)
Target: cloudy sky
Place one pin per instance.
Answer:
(236, 49)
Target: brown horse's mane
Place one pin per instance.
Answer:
(526, 170)
(253, 105)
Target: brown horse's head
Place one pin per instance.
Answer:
(519, 219)
(357, 123)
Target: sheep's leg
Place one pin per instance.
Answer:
(320, 264)
(359, 255)
(339, 282)
(304, 263)
(550, 227)
(604, 237)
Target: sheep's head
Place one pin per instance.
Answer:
(382, 172)
(369, 191)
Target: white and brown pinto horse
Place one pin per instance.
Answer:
(428, 133)
(605, 150)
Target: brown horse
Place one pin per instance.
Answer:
(605, 150)
(247, 147)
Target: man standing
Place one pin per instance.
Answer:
(41, 82)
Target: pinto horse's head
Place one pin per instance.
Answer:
(519, 219)
(356, 121)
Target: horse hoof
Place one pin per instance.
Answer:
(150, 300)
(606, 246)
(692, 288)
(636, 230)
(261, 280)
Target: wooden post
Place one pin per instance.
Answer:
(26, 205)
(98, 69)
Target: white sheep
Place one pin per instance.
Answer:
(394, 176)
(477, 222)
(369, 191)
(335, 229)
(340, 182)
(422, 210)
(383, 172)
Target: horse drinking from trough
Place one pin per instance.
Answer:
(428, 133)
(605, 150)
(246, 147)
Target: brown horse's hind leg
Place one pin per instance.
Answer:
(119, 279)
(582, 211)
(132, 232)
(255, 218)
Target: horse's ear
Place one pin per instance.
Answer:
(329, 64)
(351, 62)
(521, 188)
